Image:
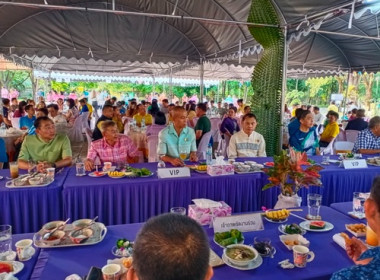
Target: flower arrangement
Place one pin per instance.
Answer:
(289, 175)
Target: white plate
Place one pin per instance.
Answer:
(252, 265)
(200, 171)
(334, 161)
(281, 228)
(17, 267)
(306, 225)
(92, 174)
(239, 172)
(241, 242)
(275, 221)
(357, 234)
(117, 177)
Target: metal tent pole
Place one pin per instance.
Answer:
(283, 92)
(201, 75)
(345, 97)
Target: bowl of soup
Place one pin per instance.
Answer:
(240, 254)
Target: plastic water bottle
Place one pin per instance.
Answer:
(3, 129)
(209, 155)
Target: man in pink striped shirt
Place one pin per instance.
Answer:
(113, 147)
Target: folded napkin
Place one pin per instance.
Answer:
(339, 240)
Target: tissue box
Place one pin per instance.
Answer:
(218, 170)
(204, 216)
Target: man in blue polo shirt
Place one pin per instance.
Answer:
(27, 121)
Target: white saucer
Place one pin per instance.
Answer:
(252, 265)
(306, 225)
(92, 174)
(9, 257)
(33, 251)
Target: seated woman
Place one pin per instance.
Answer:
(305, 138)
(229, 124)
(367, 260)
(247, 142)
(191, 113)
(159, 124)
(113, 147)
(72, 112)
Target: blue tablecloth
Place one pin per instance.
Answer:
(329, 257)
(126, 200)
(27, 209)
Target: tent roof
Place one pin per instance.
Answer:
(65, 38)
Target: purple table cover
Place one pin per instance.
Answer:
(329, 257)
(27, 209)
(132, 200)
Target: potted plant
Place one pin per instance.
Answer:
(290, 176)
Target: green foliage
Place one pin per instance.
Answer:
(267, 76)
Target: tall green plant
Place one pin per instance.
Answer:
(267, 76)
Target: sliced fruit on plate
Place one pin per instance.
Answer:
(317, 225)
(6, 267)
(277, 214)
(269, 163)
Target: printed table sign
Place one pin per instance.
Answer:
(173, 172)
(354, 163)
(244, 223)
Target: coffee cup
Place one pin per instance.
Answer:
(107, 166)
(111, 272)
(24, 249)
(300, 255)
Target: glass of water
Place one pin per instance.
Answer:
(80, 169)
(178, 210)
(5, 241)
(325, 160)
(358, 203)
(314, 201)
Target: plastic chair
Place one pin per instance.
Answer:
(75, 133)
(84, 118)
(329, 150)
(352, 135)
(152, 141)
(89, 137)
(341, 136)
(202, 147)
(343, 147)
(15, 122)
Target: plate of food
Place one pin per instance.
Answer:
(138, 172)
(223, 239)
(291, 229)
(116, 174)
(11, 267)
(317, 226)
(277, 216)
(270, 164)
(290, 240)
(123, 248)
(242, 257)
(358, 230)
(97, 174)
(201, 168)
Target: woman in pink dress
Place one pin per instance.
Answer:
(72, 112)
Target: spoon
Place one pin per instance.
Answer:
(48, 234)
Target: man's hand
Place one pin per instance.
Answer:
(193, 157)
(42, 165)
(89, 165)
(177, 162)
(355, 250)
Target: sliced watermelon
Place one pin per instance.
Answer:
(6, 267)
(317, 225)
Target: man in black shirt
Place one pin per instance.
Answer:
(358, 123)
(107, 115)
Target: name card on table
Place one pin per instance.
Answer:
(173, 172)
(354, 163)
(244, 223)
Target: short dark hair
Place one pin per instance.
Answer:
(114, 98)
(107, 106)
(303, 114)
(14, 98)
(82, 100)
(165, 101)
(54, 106)
(38, 121)
(202, 106)
(360, 113)
(316, 108)
(233, 108)
(173, 247)
(375, 191)
(160, 118)
(248, 116)
(240, 100)
(333, 113)
(298, 112)
(71, 102)
(43, 110)
(354, 111)
(374, 122)
(27, 107)
(6, 101)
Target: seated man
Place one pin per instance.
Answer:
(175, 136)
(142, 115)
(113, 147)
(27, 121)
(331, 130)
(107, 115)
(368, 141)
(180, 246)
(55, 115)
(46, 147)
(203, 124)
(358, 123)
(247, 142)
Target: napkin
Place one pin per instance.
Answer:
(220, 161)
(339, 240)
(206, 203)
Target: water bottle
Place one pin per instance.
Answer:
(3, 129)
(209, 155)
(143, 124)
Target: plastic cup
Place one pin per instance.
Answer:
(13, 169)
(178, 210)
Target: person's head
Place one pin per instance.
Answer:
(232, 112)
(6, 102)
(42, 112)
(219, 104)
(249, 123)
(107, 111)
(201, 109)
(132, 105)
(45, 128)
(141, 109)
(225, 105)
(360, 113)
(179, 116)
(333, 116)
(70, 103)
(306, 119)
(113, 100)
(354, 112)
(193, 107)
(41, 104)
(14, 101)
(332, 102)
(304, 107)
(296, 105)
(374, 125)
(247, 109)
(109, 131)
(240, 102)
(372, 206)
(82, 102)
(309, 107)
(298, 112)
(53, 110)
(59, 101)
(212, 102)
(116, 111)
(230, 105)
(21, 106)
(165, 103)
(160, 118)
(316, 110)
(180, 246)
(29, 109)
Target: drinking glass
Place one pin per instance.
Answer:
(5, 241)
(358, 203)
(183, 152)
(178, 210)
(80, 169)
(13, 169)
(314, 204)
(325, 160)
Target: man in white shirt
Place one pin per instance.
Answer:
(247, 142)
(55, 116)
(318, 117)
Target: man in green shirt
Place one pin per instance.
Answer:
(203, 124)
(46, 147)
